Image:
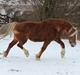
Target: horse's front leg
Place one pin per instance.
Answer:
(5, 53)
(38, 55)
(63, 47)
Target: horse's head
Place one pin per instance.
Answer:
(72, 36)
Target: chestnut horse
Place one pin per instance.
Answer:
(47, 31)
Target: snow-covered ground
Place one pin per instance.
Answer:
(50, 63)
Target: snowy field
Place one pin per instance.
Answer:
(50, 63)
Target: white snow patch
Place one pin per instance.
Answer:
(50, 63)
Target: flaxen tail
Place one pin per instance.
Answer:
(7, 29)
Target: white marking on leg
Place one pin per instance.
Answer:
(26, 52)
(62, 53)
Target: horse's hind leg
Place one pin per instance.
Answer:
(38, 55)
(9, 47)
(20, 44)
(22, 40)
(63, 47)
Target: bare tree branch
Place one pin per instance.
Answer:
(69, 11)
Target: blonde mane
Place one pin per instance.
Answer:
(7, 29)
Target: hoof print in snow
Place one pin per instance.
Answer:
(59, 73)
(14, 70)
(73, 61)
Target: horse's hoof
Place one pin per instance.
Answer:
(4, 58)
(1, 55)
(26, 53)
(4, 54)
(37, 57)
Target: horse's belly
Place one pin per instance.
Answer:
(36, 39)
(40, 38)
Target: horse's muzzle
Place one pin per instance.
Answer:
(73, 44)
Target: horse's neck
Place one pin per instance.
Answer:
(72, 31)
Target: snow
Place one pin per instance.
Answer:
(50, 64)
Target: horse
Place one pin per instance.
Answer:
(43, 31)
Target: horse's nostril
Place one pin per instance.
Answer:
(72, 45)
